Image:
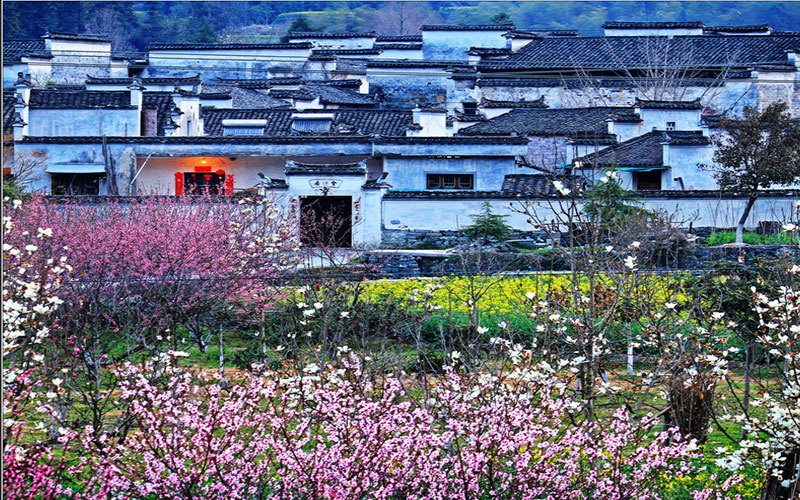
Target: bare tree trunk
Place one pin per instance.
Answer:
(630, 351)
(263, 357)
(748, 361)
(221, 353)
(740, 226)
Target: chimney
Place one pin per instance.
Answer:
(415, 114)
(136, 89)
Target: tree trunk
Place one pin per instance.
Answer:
(740, 226)
(773, 490)
(630, 351)
(221, 353)
(748, 360)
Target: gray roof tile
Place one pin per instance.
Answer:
(546, 122)
(279, 123)
(14, 50)
(653, 25)
(79, 99)
(467, 27)
(645, 151)
(636, 52)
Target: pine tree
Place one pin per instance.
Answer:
(487, 224)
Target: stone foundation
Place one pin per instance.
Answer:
(418, 238)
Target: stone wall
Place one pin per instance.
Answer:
(411, 238)
(694, 258)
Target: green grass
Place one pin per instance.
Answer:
(725, 237)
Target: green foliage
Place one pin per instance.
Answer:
(487, 224)
(609, 206)
(758, 151)
(12, 190)
(725, 237)
(501, 18)
(300, 23)
(30, 19)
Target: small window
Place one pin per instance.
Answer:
(670, 125)
(470, 108)
(648, 181)
(450, 181)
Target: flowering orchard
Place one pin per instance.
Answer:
(606, 390)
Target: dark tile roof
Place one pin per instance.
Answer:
(400, 46)
(13, 50)
(445, 194)
(542, 33)
(642, 103)
(163, 104)
(712, 119)
(346, 52)
(376, 184)
(9, 100)
(279, 123)
(488, 51)
(293, 167)
(260, 83)
(398, 38)
(488, 103)
(536, 184)
(636, 52)
(626, 116)
(593, 139)
(740, 29)
(579, 83)
(322, 57)
(451, 140)
(320, 34)
(301, 94)
(333, 94)
(215, 95)
(686, 138)
(418, 64)
(791, 68)
(84, 37)
(228, 139)
(653, 25)
(467, 27)
(81, 99)
(227, 46)
(545, 122)
(469, 117)
(246, 97)
(167, 80)
(276, 184)
(350, 82)
(644, 151)
(64, 86)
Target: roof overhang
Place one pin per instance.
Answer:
(76, 168)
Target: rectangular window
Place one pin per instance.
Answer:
(648, 181)
(76, 184)
(670, 125)
(450, 181)
(470, 108)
